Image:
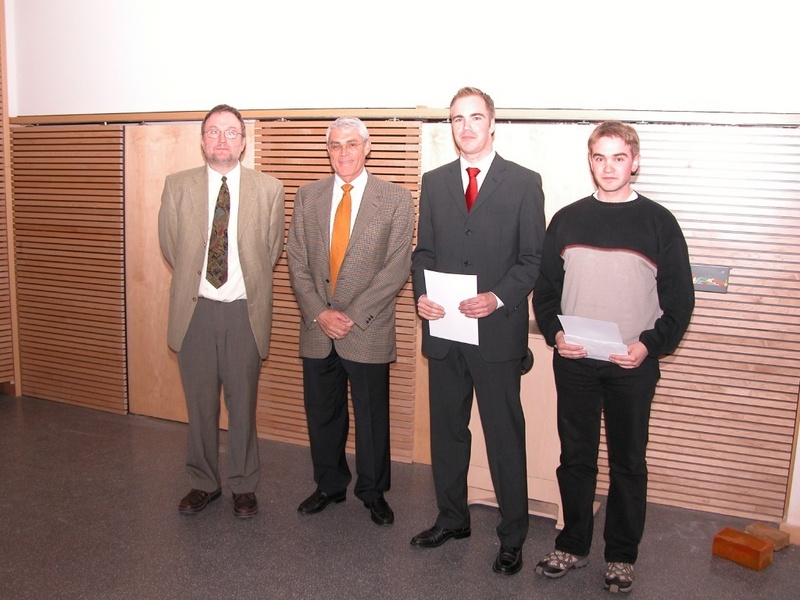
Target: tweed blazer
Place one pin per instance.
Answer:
(499, 241)
(183, 235)
(376, 266)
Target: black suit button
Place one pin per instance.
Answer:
(468, 231)
(467, 263)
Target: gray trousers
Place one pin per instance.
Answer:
(220, 352)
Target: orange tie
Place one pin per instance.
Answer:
(341, 234)
(472, 186)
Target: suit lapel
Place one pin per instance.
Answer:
(322, 204)
(198, 188)
(490, 182)
(456, 186)
(366, 211)
(247, 201)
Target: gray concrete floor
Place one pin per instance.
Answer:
(89, 510)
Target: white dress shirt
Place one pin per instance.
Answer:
(233, 288)
(359, 183)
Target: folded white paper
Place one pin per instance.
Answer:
(599, 338)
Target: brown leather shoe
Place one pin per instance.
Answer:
(197, 500)
(245, 505)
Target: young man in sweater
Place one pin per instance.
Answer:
(613, 256)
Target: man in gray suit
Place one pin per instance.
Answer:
(349, 254)
(479, 215)
(221, 230)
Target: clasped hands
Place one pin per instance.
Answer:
(334, 323)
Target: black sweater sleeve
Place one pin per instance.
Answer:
(675, 292)
(547, 291)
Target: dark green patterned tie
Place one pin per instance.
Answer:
(217, 271)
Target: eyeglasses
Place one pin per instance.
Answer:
(229, 134)
(337, 147)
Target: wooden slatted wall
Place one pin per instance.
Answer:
(294, 152)
(724, 415)
(6, 339)
(68, 221)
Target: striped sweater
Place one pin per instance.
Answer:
(624, 262)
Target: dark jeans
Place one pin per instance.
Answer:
(586, 389)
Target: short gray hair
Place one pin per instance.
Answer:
(348, 123)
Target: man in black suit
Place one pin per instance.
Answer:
(498, 238)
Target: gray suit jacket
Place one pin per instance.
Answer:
(375, 267)
(183, 235)
(499, 240)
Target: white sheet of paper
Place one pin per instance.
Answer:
(448, 290)
(600, 338)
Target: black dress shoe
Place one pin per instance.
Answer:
(197, 500)
(245, 505)
(380, 511)
(318, 501)
(508, 561)
(436, 536)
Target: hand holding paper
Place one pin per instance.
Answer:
(448, 290)
(599, 338)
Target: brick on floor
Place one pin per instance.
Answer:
(779, 539)
(743, 548)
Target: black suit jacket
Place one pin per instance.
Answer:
(499, 240)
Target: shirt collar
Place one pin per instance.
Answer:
(359, 182)
(233, 173)
(483, 164)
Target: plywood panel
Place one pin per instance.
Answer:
(7, 364)
(723, 423)
(724, 417)
(68, 226)
(153, 152)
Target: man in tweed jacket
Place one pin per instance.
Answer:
(347, 328)
(221, 332)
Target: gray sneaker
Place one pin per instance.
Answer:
(558, 563)
(619, 577)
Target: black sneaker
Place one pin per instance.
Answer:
(558, 563)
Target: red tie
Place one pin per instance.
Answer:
(472, 186)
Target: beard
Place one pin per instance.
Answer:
(225, 161)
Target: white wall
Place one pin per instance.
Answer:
(106, 56)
